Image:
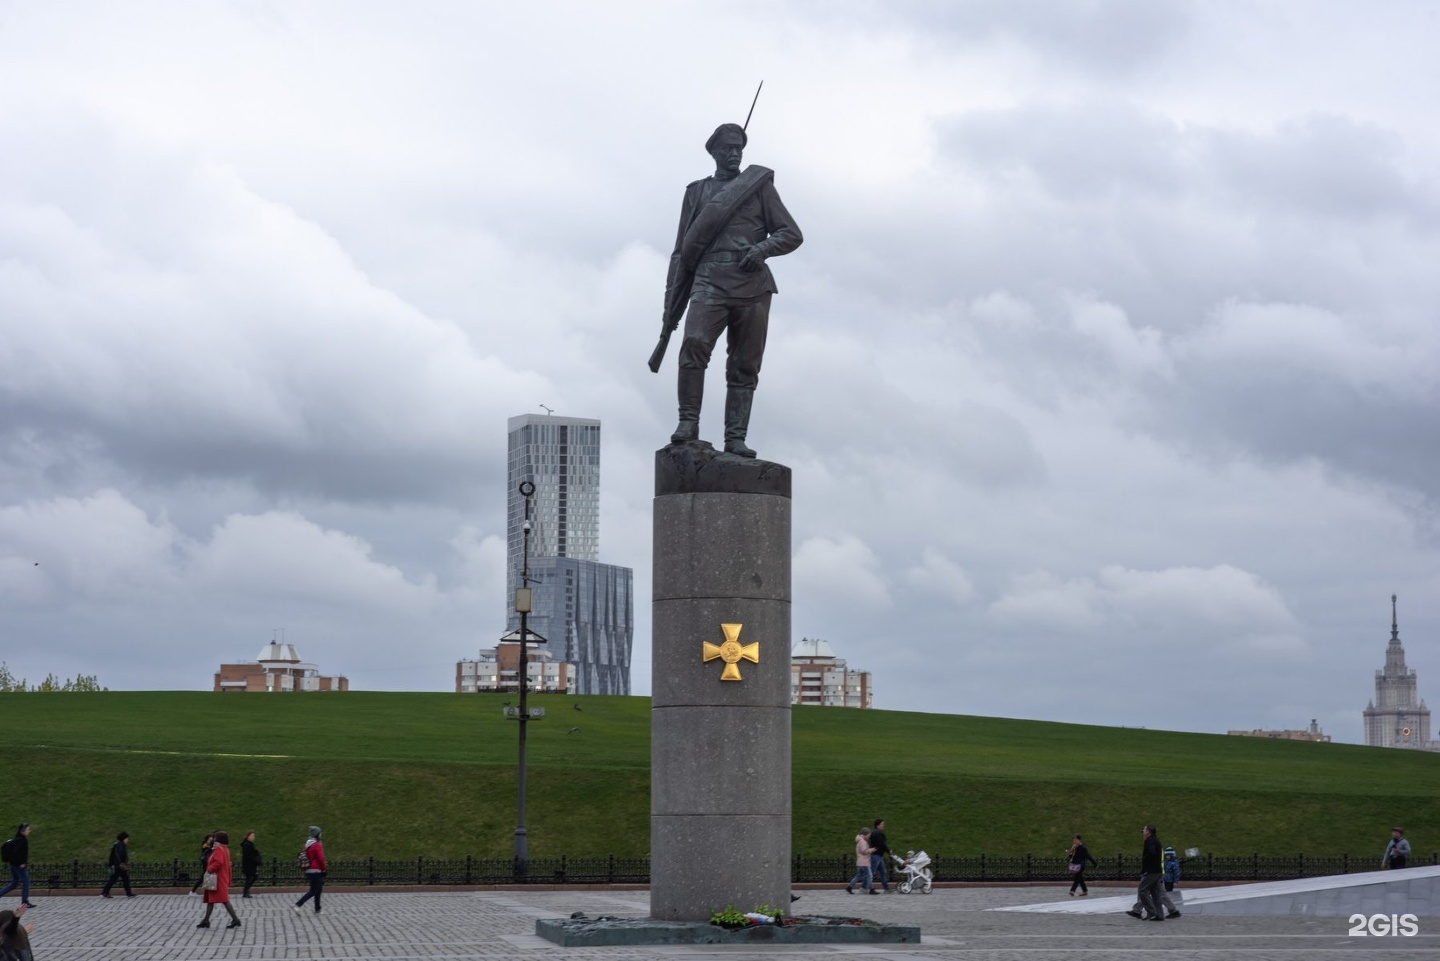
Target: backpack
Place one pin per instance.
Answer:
(302, 860)
(7, 851)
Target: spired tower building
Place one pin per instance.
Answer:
(1396, 717)
(584, 609)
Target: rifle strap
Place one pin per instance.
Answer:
(705, 225)
(712, 217)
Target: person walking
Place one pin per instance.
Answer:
(219, 866)
(1151, 874)
(250, 862)
(1397, 852)
(1170, 872)
(16, 853)
(314, 855)
(878, 871)
(119, 866)
(205, 847)
(1079, 854)
(862, 877)
(1170, 868)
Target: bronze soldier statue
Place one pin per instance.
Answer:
(730, 224)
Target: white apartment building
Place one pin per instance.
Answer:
(817, 676)
(495, 669)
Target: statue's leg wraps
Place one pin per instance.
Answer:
(691, 391)
(737, 420)
(703, 326)
(745, 348)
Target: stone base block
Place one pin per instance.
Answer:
(701, 864)
(698, 466)
(595, 932)
(720, 761)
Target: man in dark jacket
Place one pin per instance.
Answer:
(250, 861)
(119, 866)
(730, 224)
(18, 857)
(1152, 875)
(878, 870)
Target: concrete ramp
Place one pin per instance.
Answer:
(1409, 891)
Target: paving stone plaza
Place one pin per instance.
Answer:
(958, 923)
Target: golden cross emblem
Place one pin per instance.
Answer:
(732, 652)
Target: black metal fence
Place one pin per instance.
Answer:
(617, 870)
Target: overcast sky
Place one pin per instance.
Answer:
(1107, 371)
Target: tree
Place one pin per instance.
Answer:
(83, 682)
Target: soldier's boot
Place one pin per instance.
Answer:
(691, 391)
(737, 420)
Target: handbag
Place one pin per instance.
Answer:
(211, 882)
(1075, 868)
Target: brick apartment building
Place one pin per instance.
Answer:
(278, 668)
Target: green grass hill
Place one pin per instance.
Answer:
(399, 775)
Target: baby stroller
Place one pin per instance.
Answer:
(916, 876)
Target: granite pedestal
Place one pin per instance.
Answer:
(720, 748)
(587, 932)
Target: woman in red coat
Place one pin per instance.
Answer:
(219, 865)
(314, 855)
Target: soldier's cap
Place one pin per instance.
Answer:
(726, 128)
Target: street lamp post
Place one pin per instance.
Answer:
(523, 598)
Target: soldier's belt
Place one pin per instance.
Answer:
(722, 257)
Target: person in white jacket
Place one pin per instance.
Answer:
(863, 877)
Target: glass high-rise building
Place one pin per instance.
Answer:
(583, 608)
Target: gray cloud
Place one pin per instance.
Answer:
(1111, 342)
(1111, 38)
